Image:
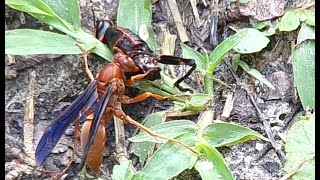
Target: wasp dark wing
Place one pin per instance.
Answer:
(95, 123)
(54, 132)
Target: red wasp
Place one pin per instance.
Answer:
(134, 61)
(98, 102)
(124, 41)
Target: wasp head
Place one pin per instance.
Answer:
(101, 27)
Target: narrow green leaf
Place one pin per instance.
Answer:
(197, 102)
(299, 147)
(253, 41)
(303, 63)
(137, 16)
(29, 41)
(41, 11)
(157, 87)
(216, 167)
(306, 32)
(142, 149)
(222, 49)
(138, 176)
(123, 171)
(170, 159)
(170, 129)
(160, 87)
(226, 134)
(69, 10)
(101, 50)
(190, 53)
(253, 72)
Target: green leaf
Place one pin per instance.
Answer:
(138, 176)
(306, 32)
(243, 1)
(68, 10)
(190, 53)
(291, 19)
(253, 41)
(104, 52)
(197, 102)
(160, 87)
(226, 134)
(269, 32)
(137, 16)
(303, 63)
(299, 147)
(170, 129)
(170, 159)
(123, 171)
(142, 149)
(253, 72)
(216, 167)
(50, 13)
(41, 11)
(307, 16)
(259, 24)
(222, 49)
(29, 41)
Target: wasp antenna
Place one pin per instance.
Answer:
(93, 14)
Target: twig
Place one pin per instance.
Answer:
(28, 127)
(180, 114)
(177, 20)
(11, 59)
(195, 12)
(204, 3)
(221, 82)
(10, 73)
(263, 152)
(228, 106)
(266, 125)
(121, 150)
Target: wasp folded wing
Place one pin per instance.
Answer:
(54, 132)
(95, 123)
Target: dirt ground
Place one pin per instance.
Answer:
(52, 82)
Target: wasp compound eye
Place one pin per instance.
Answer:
(101, 29)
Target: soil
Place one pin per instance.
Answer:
(57, 80)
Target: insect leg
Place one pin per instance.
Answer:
(127, 100)
(121, 115)
(85, 57)
(75, 145)
(173, 60)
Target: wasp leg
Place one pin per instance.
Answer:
(173, 60)
(85, 57)
(127, 100)
(139, 77)
(121, 115)
(75, 145)
(84, 174)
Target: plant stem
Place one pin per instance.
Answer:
(208, 84)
